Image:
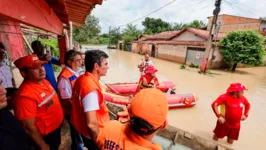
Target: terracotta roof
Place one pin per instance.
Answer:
(73, 10)
(201, 33)
(188, 43)
(160, 36)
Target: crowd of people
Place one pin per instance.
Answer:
(42, 103)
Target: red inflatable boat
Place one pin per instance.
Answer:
(119, 95)
(130, 88)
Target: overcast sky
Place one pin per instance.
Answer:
(115, 13)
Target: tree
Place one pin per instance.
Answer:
(154, 26)
(178, 26)
(246, 47)
(197, 24)
(130, 33)
(88, 32)
(114, 36)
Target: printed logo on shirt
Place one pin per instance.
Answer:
(43, 95)
(34, 58)
(111, 145)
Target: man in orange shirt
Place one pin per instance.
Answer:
(148, 112)
(37, 105)
(89, 111)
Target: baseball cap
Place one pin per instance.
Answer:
(150, 105)
(30, 61)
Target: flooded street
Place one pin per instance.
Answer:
(200, 119)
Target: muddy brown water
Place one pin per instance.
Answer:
(200, 119)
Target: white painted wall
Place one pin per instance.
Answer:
(188, 36)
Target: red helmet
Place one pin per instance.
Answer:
(151, 69)
(236, 87)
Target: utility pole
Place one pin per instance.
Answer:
(70, 34)
(213, 29)
(109, 37)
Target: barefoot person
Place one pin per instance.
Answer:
(232, 103)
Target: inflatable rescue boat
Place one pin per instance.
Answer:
(118, 94)
(130, 88)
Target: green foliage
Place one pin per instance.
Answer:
(114, 36)
(130, 33)
(53, 44)
(193, 24)
(154, 26)
(104, 40)
(245, 47)
(89, 32)
(183, 66)
(193, 65)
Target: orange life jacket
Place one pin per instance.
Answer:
(84, 85)
(71, 77)
(49, 113)
(149, 80)
(67, 74)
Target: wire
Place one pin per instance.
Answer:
(240, 8)
(148, 14)
(248, 7)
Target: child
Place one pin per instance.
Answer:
(232, 103)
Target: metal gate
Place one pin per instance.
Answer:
(195, 56)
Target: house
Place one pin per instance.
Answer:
(229, 23)
(147, 43)
(188, 45)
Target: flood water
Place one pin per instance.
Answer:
(200, 120)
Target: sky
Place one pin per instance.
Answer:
(118, 13)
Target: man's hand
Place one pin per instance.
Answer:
(221, 120)
(243, 117)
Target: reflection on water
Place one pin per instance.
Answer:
(200, 119)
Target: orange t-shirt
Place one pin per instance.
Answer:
(117, 136)
(41, 102)
(83, 86)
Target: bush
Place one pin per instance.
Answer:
(183, 66)
(193, 65)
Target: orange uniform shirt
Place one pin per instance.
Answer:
(41, 102)
(117, 136)
(84, 85)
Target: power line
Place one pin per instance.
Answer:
(240, 8)
(149, 13)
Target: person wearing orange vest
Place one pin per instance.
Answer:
(89, 111)
(37, 105)
(149, 80)
(66, 81)
(148, 112)
(232, 103)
